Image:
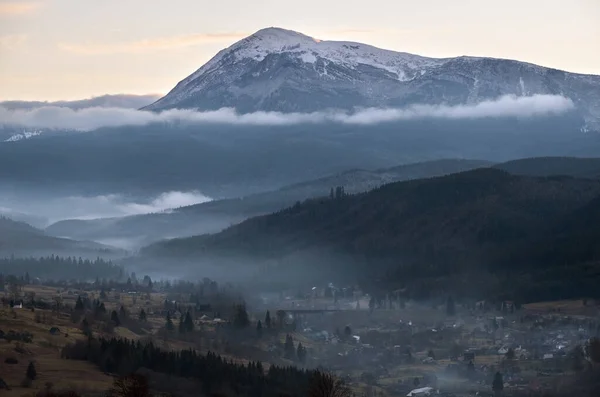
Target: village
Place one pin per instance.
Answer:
(384, 346)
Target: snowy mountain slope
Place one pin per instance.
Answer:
(23, 135)
(281, 70)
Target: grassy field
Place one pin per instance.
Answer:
(45, 353)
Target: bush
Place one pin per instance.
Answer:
(26, 382)
(11, 360)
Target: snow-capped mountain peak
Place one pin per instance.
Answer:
(309, 50)
(276, 69)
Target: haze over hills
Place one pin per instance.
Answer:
(21, 239)
(281, 70)
(473, 224)
(214, 216)
(211, 217)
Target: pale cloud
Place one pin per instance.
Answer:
(8, 8)
(12, 41)
(150, 45)
(93, 118)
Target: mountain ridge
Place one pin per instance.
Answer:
(281, 70)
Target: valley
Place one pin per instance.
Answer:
(297, 217)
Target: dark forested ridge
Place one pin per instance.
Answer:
(580, 167)
(457, 226)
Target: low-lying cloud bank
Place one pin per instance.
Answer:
(103, 206)
(93, 118)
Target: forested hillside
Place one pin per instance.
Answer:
(481, 225)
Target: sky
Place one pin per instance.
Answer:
(73, 49)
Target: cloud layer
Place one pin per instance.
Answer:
(93, 118)
(103, 206)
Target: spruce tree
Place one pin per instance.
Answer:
(259, 329)
(188, 322)
(169, 325)
(79, 304)
(268, 320)
(142, 315)
(498, 383)
(289, 350)
(31, 371)
(181, 324)
(114, 317)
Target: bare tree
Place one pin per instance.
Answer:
(324, 384)
(133, 385)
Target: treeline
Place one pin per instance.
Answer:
(65, 268)
(123, 357)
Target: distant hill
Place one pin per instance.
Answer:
(214, 216)
(485, 230)
(21, 239)
(544, 166)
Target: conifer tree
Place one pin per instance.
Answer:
(259, 329)
(114, 317)
(169, 325)
(188, 322)
(31, 371)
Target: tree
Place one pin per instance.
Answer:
(510, 354)
(431, 354)
(241, 319)
(114, 317)
(259, 329)
(289, 351)
(188, 322)
(123, 312)
(133, 385)
(143, 316)
(79, 304)
(416, 382)
(324, 384)
(85, 328)
(280, 317)
(301, 353)
(450, 308)
(498, 383)
(347, 331)
(169, 324)
(268, 320)
(181, 324)
(31, 373)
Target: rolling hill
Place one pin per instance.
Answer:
(456, 229)
(216, 215)
(21, 239)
